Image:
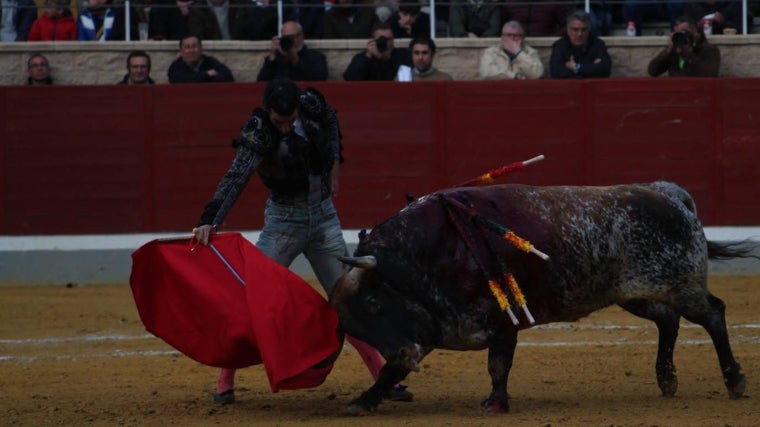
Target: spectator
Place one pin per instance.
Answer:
(511, 58)
(38, 68)
(601, 17)
(138, 69)
(216, 19)
(311, 16)
(258, 21)
(381, 60)
(474, 18)
(715, 16)
(539, 18)
(101, 21)
(299, 166)
(385, 9)
(410, 20)
(348, 20)
(579, 54)
(290, 58)
(168, 19)
(193, 66)
(688, 53)
(636, 11)
(55, 24)
(16, 19)
(423, 53)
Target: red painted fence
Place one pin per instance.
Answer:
(116, 159)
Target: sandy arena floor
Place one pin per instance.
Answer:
(80, 356)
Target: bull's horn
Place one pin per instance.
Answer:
(366, 261)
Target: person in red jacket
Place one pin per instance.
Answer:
(55, 23)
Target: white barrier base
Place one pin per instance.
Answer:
(106, 259)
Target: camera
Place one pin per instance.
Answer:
(286, 43)
(683, 38)
(381, 43)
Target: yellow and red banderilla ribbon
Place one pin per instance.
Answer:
(523, 244)
(490, 176)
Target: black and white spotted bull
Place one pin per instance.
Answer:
(422, 279)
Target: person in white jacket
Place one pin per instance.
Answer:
(511, 58)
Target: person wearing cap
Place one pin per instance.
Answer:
(138, 69)
(293, 142)
(56, 23)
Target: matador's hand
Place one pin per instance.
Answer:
(203, 232)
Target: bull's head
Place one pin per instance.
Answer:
(378, 312)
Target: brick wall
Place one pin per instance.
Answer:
(104, 63)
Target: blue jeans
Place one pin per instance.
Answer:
(290, 230)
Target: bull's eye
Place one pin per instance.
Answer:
(372, 304)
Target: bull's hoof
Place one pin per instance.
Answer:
(495, 405)
(360, 406)
(668, 385)
(736, 390)
(358, 410)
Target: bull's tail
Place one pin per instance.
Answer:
(726, 251)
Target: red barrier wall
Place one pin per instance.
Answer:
(112, 159)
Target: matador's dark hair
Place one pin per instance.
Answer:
(281, 95)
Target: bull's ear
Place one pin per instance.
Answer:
(366, 261)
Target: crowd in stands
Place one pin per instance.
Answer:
(576, 54)
(102, 20)
(398, 33)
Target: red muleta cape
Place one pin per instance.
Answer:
(228, 305)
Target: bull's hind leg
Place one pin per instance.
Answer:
(710, 313)
(666, 320)
(501, 351)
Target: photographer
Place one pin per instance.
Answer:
(290, 58)
(688, 53)
(381, 60)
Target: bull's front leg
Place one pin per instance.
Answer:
(396, 369)
(501, 351)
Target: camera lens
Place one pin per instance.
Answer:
(286, 43)
(381, 43)
(682, 38)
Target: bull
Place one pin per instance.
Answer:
(420, 279)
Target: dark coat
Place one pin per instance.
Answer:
(421, 26)
(585, 55)
(23, 17)
(363, 68)
(202, 20)
(166, 21)
(181, 72)
(311, 67)
(704, 61)
(125, 80)
(349, 23)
